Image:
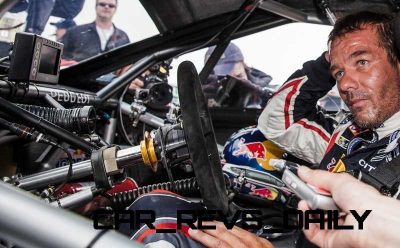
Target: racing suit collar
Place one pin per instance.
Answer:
(388, 126)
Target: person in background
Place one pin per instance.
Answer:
(39, 12)
(246, 94)
(84, 41)
(62, 26)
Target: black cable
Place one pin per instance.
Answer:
(96, 238)
(8, 139)
(4, 132)
(13, 88)
(13, 27)
(121, 123)
(166, 135)
(25, 132)
(69, 174)
(167, 132)
(144, 129)
(5, 124)
(4, 58)
(163, 155)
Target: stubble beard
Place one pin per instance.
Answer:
(376, 115)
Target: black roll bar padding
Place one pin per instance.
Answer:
(212, 61)
(290, 13)
(225, 37)
(67, 96)
(60, 133)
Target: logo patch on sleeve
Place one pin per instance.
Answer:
(343, 142)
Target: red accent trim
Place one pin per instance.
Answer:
(315, 129)
(184, 230)
(295, 85)
(331, 143)
(163, 191)
(289, 84)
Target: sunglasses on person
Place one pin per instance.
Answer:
(110, 5)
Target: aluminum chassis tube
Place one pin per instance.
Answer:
(29, 222)
(126, 157)
(146, 117)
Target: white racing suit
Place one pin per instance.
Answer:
(293, 121)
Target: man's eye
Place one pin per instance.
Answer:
(362, 62)
(338, 75)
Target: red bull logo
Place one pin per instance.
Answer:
(265, 193)
(261, 151)
(251, 150)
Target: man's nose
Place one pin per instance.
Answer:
(349, 81)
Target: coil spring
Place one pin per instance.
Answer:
(79, 120)
(125, 198)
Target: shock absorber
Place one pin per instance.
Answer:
(125, 198)
(80, 120)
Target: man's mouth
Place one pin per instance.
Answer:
(356, 99)
(356, 103)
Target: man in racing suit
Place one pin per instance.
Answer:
(368, 79)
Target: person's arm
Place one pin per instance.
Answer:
(68, 42)
(39, 12)
(258, 77)
(224, 238)
(291, 118)
(136, 83)
(381, 227)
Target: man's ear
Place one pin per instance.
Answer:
(327, 56)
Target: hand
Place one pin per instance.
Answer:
(224, 238)
(136, 83)
(380, 227)
(66, 63)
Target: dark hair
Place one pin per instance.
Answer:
(383, 24)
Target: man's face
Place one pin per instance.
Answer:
(105, 9)
(367, 82)
(239, 71)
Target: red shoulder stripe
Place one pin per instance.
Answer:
(315, 129)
